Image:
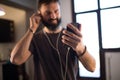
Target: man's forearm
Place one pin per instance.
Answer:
(88, 61)
(20, 52)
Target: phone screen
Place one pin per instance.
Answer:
(76, 25)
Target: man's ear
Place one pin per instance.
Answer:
(38, 12)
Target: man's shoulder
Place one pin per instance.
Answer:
(38, 34)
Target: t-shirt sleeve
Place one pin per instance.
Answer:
(31, 47)
(73, 52)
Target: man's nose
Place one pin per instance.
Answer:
(53, 16)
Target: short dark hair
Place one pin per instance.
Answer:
(46, 2)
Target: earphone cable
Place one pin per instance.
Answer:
(56, 48)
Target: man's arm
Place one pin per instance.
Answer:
(20, 52)
(74, 40)
(87, 60)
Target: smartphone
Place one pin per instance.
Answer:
(77, 25)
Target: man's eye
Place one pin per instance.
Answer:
(48, 13)
(56, 11)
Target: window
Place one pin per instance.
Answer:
(110, 28)
(90, 38)
(109, 3)
(100, 28)
(80, 5)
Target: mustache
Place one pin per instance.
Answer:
(53, 19)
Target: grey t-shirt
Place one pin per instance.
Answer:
(47, 64)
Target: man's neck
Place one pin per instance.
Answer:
(51, 31)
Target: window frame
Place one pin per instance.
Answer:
(101, 49)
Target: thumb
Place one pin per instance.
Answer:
(80, 27)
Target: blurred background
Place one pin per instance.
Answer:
(100, 28)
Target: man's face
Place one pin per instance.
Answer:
(50, 15)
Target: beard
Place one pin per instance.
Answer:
(50, 25)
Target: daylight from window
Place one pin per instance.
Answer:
(91, 12)
(110, 20)
(84, 5)
(109, 3)
(90, 38)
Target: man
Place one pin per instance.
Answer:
(55, 50)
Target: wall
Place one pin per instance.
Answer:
(19, 18)
(26, 3)
(112, 65)
(18, 11)
(66, 12)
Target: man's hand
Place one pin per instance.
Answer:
(35, 20)
(73, 40)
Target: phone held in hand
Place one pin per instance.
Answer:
(77, 25)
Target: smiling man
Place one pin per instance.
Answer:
(55, 50)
